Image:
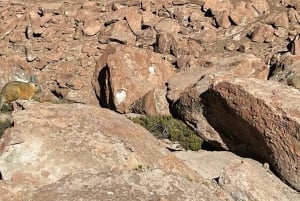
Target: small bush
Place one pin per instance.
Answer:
(167, 127)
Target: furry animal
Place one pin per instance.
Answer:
(15, 90)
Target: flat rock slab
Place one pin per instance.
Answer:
(127, 185)
(49, 141)
(244, 178)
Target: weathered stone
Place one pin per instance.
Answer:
(14, 68)
(92, 27)
(89, 5)
(125, 74)
(52, 7)
(17, 36)
(149, 19)
(30, 54)
(222, 18)
(264, 139)
(295, 47)
(90, 50)
(164, 43)
(134, 20)
(282, 20)
(197, 16)
(260, 6)
(230, 46)
(146, 37)
(8, 27)
(245, 65)
(220, 10)
(241, 14)
(263, 33)
(119, 14)
(243, 178)
(128, 185)
(154, 103)
(251, 117)
(293, 16)
(90, 141)
(182, 14)
(84, 14)
(167, 25)
(204, 36)
(118, 32)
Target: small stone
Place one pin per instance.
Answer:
(167, 25)
(92, 27)
(230, 46)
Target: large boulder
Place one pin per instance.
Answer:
(128, 185)
(125, 74)
(255, 118)
(44, 146)
(243, 65)
(244, 178)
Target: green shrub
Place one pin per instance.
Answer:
(167, 127)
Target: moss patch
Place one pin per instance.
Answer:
(167, 127)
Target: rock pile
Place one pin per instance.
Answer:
(228, 68)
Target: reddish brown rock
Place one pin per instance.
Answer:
(244, 65)
(167, 25)
(164, 43)
(133, 185)
(282, 20)
(295, 49)
(118, 32)
(125, 74)
(92, 26)
(14, 68)
(260, 6)
(204, 36)
(134, 20)
(17, 36)
(154, 103)
(220, 10)
(263, 33)
(243, 178)
(119, 14)
(149, 19)
(222, 18)
(8, 27)
(265, 123)
(197, 16)
(146, 38)
(293, 16)
(251, 117)
(52, 7)
(84, 14)
(241, 14)
(91, 140)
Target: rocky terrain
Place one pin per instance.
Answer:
(229, 69)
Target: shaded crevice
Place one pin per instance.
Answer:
(106, 94)
(240, 137)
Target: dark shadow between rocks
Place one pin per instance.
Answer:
(240, 137)
(106, 94)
